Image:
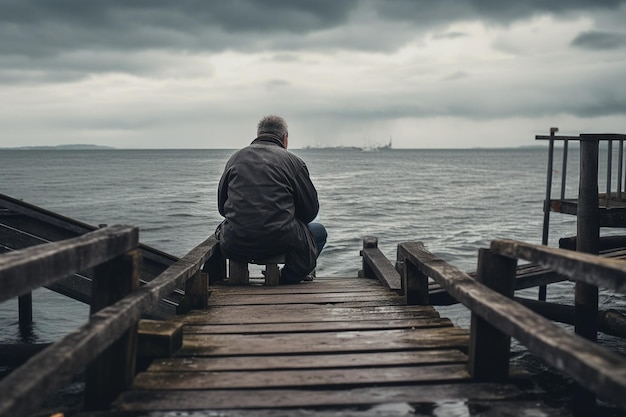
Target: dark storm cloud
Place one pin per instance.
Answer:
(600, 40)
(49, 27)
(36, 27)
(497, 11)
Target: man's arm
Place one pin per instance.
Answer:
(307, 204)
(222, 192)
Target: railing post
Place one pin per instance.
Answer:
(620, 168)
(196, 293)
(414, 282)
(543, 289)
(216, 267)
(25, 308)
(368, 243)
(113, 371)
(609, 174)
(588, 241)
(489, 348)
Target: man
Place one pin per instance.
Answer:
(269, 202)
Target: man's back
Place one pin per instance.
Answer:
(263, 193)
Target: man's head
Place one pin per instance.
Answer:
(273, 125)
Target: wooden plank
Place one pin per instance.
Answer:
(316, 326)
(301, 398)
(318, 298)
(398, 409)
(290, 313)
(24, 270)
(306, 287)
(324, 342)
(158, 339)
(591, 269)
(324, 378)
(597, 368)
(382, 268)
(339, 360)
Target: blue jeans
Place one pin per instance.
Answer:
(319, 234)
(304, 258)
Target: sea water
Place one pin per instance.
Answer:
(454, 201)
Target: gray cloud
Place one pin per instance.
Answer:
(600, 40)
(428, 12)
(40, 28)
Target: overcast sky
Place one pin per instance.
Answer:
(200, 74)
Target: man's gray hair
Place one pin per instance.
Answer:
(272, 124)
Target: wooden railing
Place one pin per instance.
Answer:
(106, 344)
(496, 317)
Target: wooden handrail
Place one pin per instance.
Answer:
(591, 269)
(598, 369)
(26, 386)
(376, 265)
(24, 270)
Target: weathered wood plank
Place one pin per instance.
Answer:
(324, 342)
(601, 370)
(382, 268)
(339, 360)
(323, 378)
(591, 269)
(307, 287)
(316, 326)
(158, 339)
(318, 298)
(290, 313)
(291, 398)
(24, 270)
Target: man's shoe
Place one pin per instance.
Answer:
(310, 276)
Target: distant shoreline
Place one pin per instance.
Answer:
(60, 148)
(305, 148)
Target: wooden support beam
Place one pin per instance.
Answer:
(25, 307)
(489, 348)
(113, 371)
(414, 280)
(196, 293)
(238, 273)
(216, 266)
(369, 242)
(158, 339)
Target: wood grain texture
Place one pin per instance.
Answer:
(279, 399)
(290, 313)
(317, 326)
(305, 378)
(324, 342)
(321, 361)
(24, 270)
(381, 268)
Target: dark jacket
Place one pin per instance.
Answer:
(267, 198)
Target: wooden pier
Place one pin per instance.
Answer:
(335, 346)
